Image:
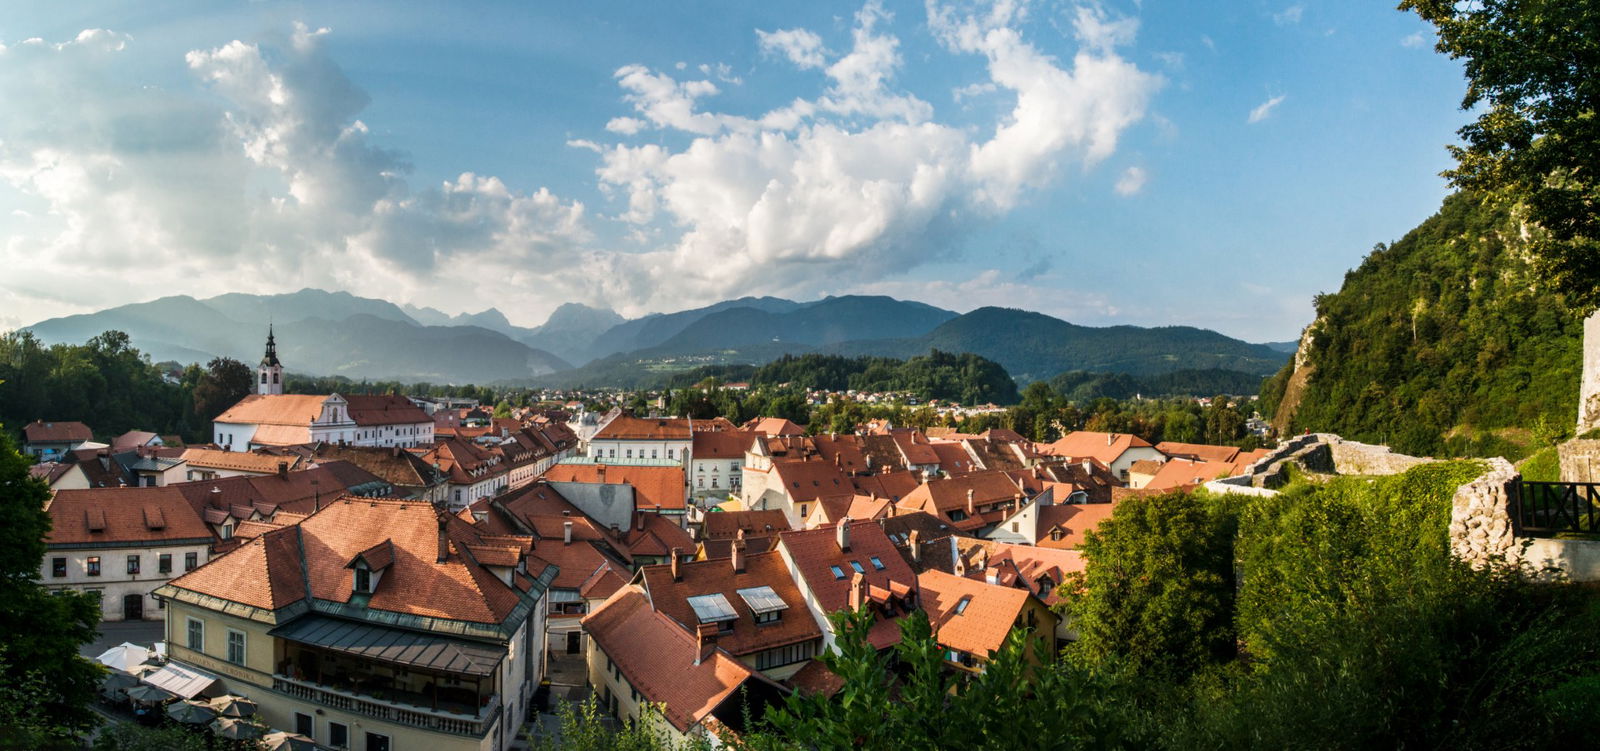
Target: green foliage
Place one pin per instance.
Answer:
(965, 378)
(581, 729)
(1543, 466)
(126, 736)
(221, 385)
(104, 383)
(1158, 594)
(45, 686)
(1445, 328)
(1081, 386)
(1530, 79)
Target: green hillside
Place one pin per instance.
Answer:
(1442, 343)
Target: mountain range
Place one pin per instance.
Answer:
(336, 333)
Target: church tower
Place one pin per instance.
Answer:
(269, 376)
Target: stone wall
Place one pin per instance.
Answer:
(1480, 519)
(1353, 458)
(1580, 460)
(1589, 384)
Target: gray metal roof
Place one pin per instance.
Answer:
(712, 608)
(762, 599)
(410, 648)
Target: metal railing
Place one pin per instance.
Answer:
(1544, 509)
(420, 717)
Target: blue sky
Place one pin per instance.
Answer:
(1152, 163)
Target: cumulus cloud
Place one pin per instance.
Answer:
(1132, 181)
(1264, 110)
(863, 181)
(1413, 40)
(1289, 16)
(271, 182)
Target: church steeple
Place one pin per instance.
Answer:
(270, 374)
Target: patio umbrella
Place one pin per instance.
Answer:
(282, 741)
(143, 692)
(236, 729)
(191, 713)
(229, 705)
(118, 681)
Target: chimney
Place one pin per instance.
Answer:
(1110, 437)
(972, 508)
(1086, 466)
(841, 534)
(915, 542)
(738, 556)
(566, 533)
(858, 591)
(706, 640)
(283, 469)
(600, 469)
(676, 576)
(444, 539)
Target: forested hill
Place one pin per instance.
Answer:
(965, 378)
(1442, 343)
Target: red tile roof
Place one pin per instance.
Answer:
(123, 515)
(298, 410)
(808, 480)
(718, 576)
(659, 658)
(725, 525)
(1184, 473)
(385, 409)
(815, 551)
(1198, 451)
(1072, 519)
(630, 428)
(40, 431)
(276, 568)
(1105, 447)
(729, 444)
(771, 426)
(238, 461)
(652, 486)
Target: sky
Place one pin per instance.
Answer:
(1153, 163)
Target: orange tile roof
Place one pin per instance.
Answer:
(729, 444)
(725, 525)
(982, 625)
(1200, 451)
(943, 495)
(277, 567)
(718, 576)
(658, 658)
(1073, 519)
(808, 480)
(1105, 447)
(630, 428)
(652, 486)
(914, 447)
(384, 409)
(1182, 473)
(954, 459)
(770, 426)
(274, 409)
(843, 450)
(123, 515)
(891, 485)
(814, 551)
(240, 461)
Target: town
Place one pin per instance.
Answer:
(424, 574)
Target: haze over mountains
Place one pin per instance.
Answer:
(336, 333)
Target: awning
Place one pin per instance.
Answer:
(409, 648)
(182, 680)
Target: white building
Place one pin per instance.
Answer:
(628, 437)
(119, 544)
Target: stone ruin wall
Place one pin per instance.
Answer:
(1481, 528)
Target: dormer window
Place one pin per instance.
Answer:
(1055, 534)
(363, 581)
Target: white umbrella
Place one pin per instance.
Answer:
(125, 657)
(236, 729)
(230, 705)
(282, 741)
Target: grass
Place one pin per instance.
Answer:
(1541, 466)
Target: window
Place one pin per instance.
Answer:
(363, 580)
(164, 563)
(627, 453)
(1016, 526)
(227, 531)
(877, 565)
(838, 573)
(961, 605)
(133, 564)
(236, 647)
(785, 655)
(1055, 534)
(94, 565)
(857, 566)
(768, 617)
(190, 561)
(802, 511)
(58, 567)
(338, 735)
(197, 635)
(713, 482)
(305, 725)
(263, 376)
(652, 454)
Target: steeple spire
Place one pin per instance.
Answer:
(271, 358)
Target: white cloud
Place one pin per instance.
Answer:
(626, 125)
(862, 182)
(1264, 110)
(268, 183)
(1132, 181)
(1289, 16)
(1415, 39)
(801, 46)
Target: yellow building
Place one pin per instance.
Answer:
(372, 625)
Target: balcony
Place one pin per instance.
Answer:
(394, 707)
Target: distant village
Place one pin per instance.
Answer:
(422, 574)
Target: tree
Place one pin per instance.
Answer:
(46, 685)
(1531, 65)
(1158, 591)
(221, 385)
(126, 736)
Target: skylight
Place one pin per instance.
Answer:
(838, 573)
(877, 565)
(762, 599)
(712, 608)
(857, 566)
(961, 605)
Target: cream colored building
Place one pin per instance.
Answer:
(372, 625)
